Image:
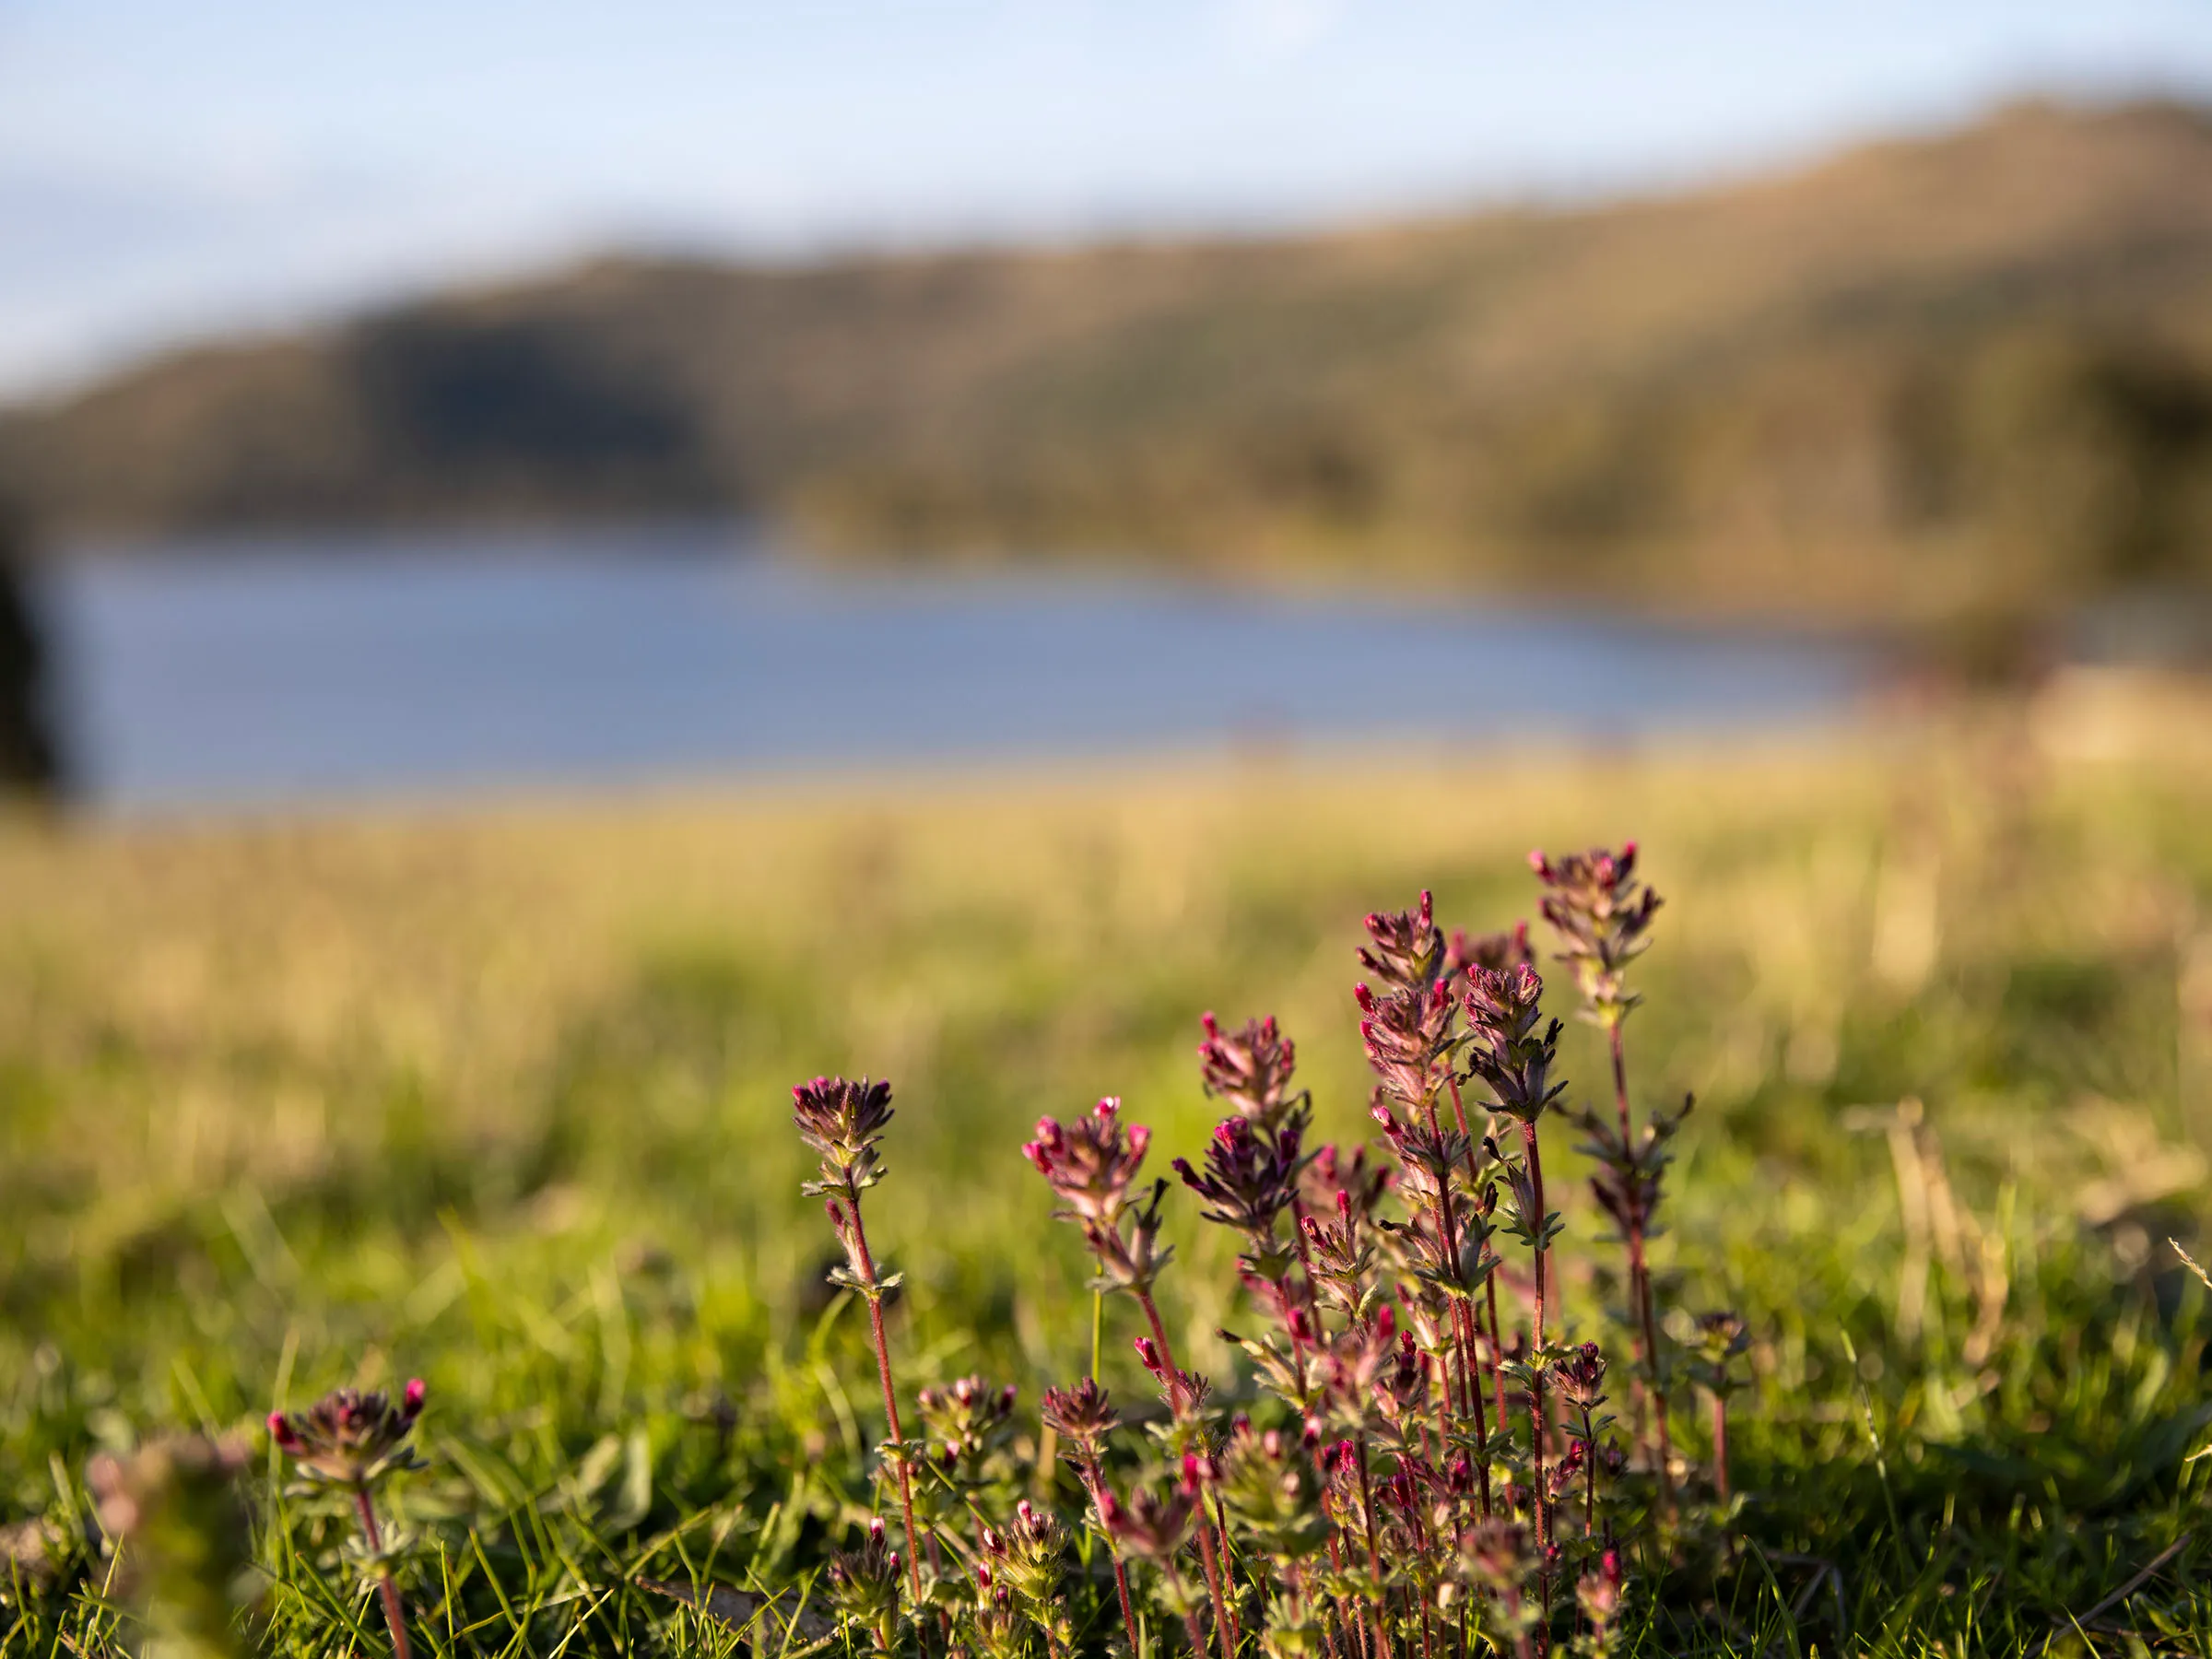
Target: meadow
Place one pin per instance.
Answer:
(499, 1097)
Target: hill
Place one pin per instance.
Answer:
(1967, 371)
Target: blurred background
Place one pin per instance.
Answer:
(572, 566)
(484, 396)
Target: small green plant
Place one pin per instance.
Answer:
(1722, 1340)
(351, 1443)
(1603, 917)
(1437, 1474)
(843, 1122)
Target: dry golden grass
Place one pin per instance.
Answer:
(256, 970)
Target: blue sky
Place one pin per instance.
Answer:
(171, 167)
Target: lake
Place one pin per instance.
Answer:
(331, 667)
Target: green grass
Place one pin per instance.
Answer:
(499, 1097)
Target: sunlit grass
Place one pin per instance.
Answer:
(499, 1097)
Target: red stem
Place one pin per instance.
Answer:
(1634, 1242)
(1305, 1259)
(891, 1402)
(1421, 1542)
(1620, 1079)
(1447, 1231)
(1459, 1112)
(1469, 1403)
(1464, 1325)
(1236, 1634)
(1298, 1348)
(1640, 1285)
(1538, 1420)
(1374, 1554)
(1354, 1629)
(1121, 1574)
(1642, 1276)
(1590, 1478)
(1306, 1602)
(1190, 1614)
(1225, 1627)
(1720, 1445)
(395, 1620)
(1496, 1341)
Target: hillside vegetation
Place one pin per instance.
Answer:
(1960, 372)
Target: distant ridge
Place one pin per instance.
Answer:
(1923, 376)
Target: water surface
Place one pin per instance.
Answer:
(324, 667)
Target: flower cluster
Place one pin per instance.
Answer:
(1404, 949)
(1439, 1469)
(1023, 1570)
(1251, 1179)
(843, 1122)
(969, 1419)
(968, 1426)
(1603, 916)
(1408, 1036)
(349, 1438)
(863, 1588)
(1091, 1164)
(1083, 1417)
(352, 1441)
(1268, 1482)
(1505, 1047)
(1250, 1069)
(1151, 1523)
(1495, 951)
